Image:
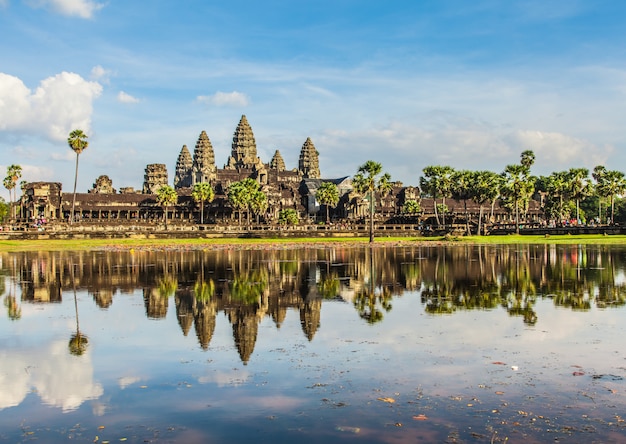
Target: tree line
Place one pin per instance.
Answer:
(572, 194)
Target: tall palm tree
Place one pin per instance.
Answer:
(367, 180)
(77, 141)
(579, 186)
(242, 193)
(557, 187)
(258, 203)
(609, 184)
(166, 196)
(484, 187)
(14, 173)
(328, 195)
(202, 192)
(437, 181)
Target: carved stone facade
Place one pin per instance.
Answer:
(154, 178)
(309, 165)
(203, 168)
(184, 165)
(243, 154)
(103, 185)
(277, 162)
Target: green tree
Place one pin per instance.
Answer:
(166, 196)
(370, 179)
(411, 207)
(518, 184)
(579, 186)
(258, 203)
(557, 189)
(484, 187)
(77, 141)
(328, 195)
(288, 216)
(4, 210)
(609, 184)
(202, 192)
(241, 195)
(14, 173)
(437, 182)
(462, 189)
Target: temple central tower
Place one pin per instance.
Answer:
(243, 154)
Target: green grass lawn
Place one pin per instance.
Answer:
(195, 243)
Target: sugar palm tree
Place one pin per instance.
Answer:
(327, 194)
(437, 181)
(77, 141)
(369, 179)
(579, 186)
(202, 192)
(166, 196)
(14, 172)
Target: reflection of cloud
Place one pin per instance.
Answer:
(226, 379)
(60, 379)
(125, 381)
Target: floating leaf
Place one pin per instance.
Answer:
(498, 363)
(578, 373)
(420, 417)
(389, 400)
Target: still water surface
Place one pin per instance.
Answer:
(397, 344)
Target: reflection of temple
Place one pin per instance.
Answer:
(253, 285)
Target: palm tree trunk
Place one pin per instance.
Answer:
(74, 197)
(371, 216)
(202, 212)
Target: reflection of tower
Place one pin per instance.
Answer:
(185, 306)
(310, 314)
(205, 314)
(156, 305)
(245, 330)
(103, 297)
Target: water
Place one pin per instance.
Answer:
(390, 344)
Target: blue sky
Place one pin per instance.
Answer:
(470, 84)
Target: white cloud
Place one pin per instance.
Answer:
(60, 104)
(123, 97)
(60, 379)
(80, 8)
(101, 74)
(225, 99)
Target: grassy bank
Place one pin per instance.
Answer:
(195, 243)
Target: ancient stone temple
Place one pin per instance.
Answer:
(203, 169)
(243, 154)
(103, 185)
(309, 164)
(182, 179)
(154, 178)
(277, 162)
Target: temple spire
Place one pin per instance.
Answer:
(243, 153)
(204, 169)
(277, 162)
(182, 178)
(308, 164)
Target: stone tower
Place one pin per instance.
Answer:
(182, 179)
(243, 154)
(203, 169)
(309, 165)
(277, 162)
(154, 178)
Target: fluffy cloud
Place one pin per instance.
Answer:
(100, 74)
(225, 99)
(60, 103)
(79, 8)
(57, 377)
(123, 97)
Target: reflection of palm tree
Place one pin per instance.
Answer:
(371, 301)
(78, 341)
(204, 291)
